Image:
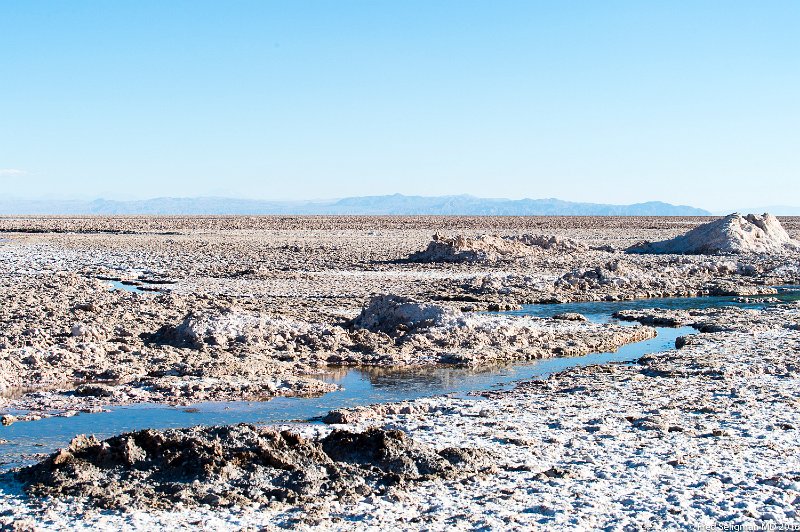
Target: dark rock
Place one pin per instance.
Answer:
(570, 316)
(237, 464)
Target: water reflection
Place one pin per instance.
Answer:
(121, 285)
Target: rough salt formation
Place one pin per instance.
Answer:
(240, 465)
(394, 330)
(363, 414)
(693, 279)
(264, 301)
(476, 338)
(492, 248)
(734, 233)
(622, 279)
(76, 330)
(689, 438)
(219, 353)
(724, 319)
(619, 279)
(227, 327)
(391, 314)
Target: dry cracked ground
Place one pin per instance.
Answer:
(249, 308)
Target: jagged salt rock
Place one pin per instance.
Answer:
(492, 248)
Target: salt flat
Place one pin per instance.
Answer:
(252, 307)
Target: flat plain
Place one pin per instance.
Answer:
(100, 312)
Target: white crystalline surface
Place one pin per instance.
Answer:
(734, 233)
(705, 435)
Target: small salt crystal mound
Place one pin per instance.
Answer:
(390, 313)
(732, 234)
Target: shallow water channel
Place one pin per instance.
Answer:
(359, 386)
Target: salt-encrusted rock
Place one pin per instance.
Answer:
(361, 414)
(392, 314)
(239, 464)
(79, 330)
(552, 243)
(226, 327)
(616, 279)
(214, 328)
(732, 234)
(570, 316)
(390, 330)
(722, 319)
(491, 248)
(730, 288)
(765, 300)
(94, 390)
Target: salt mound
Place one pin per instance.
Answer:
(551, 243)
(732, 234)
(227, 327)
(391, 313)
(490, 248)
(220, 328)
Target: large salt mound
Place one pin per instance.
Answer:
(732, 234)
(490, 248)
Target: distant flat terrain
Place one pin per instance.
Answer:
(630, 228)
(395, 204)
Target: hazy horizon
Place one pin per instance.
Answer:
(398, 203)
(784, 210)
(618, 103)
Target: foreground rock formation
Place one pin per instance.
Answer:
(693, 437)
(240, 464)
(734, 233)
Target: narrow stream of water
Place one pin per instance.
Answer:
(359, 386)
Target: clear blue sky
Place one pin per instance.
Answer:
(692, 102)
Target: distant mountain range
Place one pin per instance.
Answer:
(396, 204)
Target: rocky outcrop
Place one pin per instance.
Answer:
(732, 234)
(492, 248)
(394, 330)
(722, 319)
(240, 465)
(227, 327)
(392, 314)
(688, 279)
